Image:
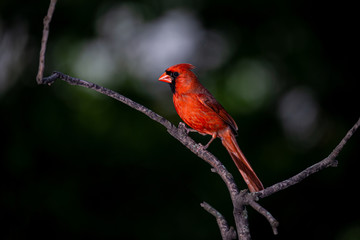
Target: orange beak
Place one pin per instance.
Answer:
(165, 78)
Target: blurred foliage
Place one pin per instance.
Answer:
(76, 164)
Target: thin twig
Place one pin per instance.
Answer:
(340, 146)
(44, 39)
(227, 233)
(251, 200)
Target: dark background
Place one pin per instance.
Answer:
(78, 165)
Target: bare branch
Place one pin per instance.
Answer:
(79, 82)
(329, 161)
(241, 215)
(44, 39)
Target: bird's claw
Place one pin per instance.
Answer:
(185, 129)
(182, 125)
(202, 147)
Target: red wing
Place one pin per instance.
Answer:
(210, 102)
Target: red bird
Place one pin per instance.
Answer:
(200, 110)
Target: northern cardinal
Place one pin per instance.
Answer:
(200, 110)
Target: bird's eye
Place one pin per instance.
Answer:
(176, 74)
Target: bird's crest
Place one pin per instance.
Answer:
(182, 66)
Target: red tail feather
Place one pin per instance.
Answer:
(229, 142)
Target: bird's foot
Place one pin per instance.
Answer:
(183, 127)
(204, 147)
